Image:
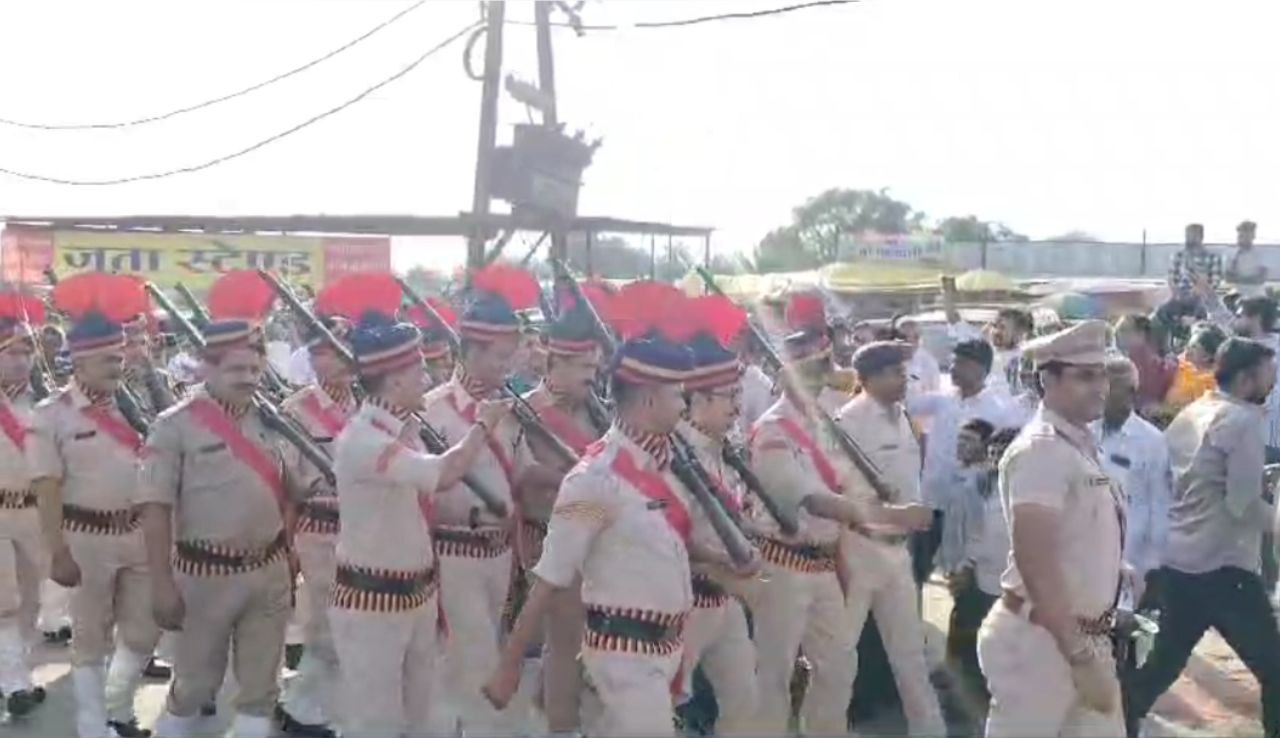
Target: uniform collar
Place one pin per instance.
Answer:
(697, 436)
(1082, 438)
(654, 449)
(384, 413)
(559, 397)
(83, 397)
(334, 394)
(236, 412)
(469, 385)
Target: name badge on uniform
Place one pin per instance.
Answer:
(1121, 461)
(1101, 481)
(889, 447)
(84, 435)
(213, 448)
(656, 505)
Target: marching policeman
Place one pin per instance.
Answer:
(385, 611)
(83, 457)
(216, 490)
(474, 544)
(1045, 647)
(573, 359)
(716, 636)
(882, 582)
(620, 523)
(23, 561)
(322, 409)
(802, 605)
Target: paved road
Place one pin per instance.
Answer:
(1215, 696)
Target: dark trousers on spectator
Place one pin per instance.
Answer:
(1229, 600)
(969, 608)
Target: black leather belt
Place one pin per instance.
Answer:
(385, 583)
(203, 559)
(613, 625)
(324, 513)
(104, 522)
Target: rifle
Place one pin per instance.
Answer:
(199, 315)
(525, 414)
(431, 438)
(271, 417)
(866, 466)
(596, 408)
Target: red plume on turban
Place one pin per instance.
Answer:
(21, 308)
(241, 294)
(718, 316)
(513, 284)
(805, 311)
(651, 307)
(355, 295)
(116, 297)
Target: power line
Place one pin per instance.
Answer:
(700, 19)
(253, 147)
(224, 98)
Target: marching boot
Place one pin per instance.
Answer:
(91, 711)
(123, 677)
(15, 671)
(250, 726)
(174, 726)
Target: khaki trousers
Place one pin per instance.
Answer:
(389, 669)
(561, 671)
(114, 591)
(796, 609)
(1031, 689)
(716, 638)
(633, 692)
(882, 583)
(474, 591)
(23, 564)
(315, 685)
(244, 612)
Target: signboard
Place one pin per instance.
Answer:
(926, 248)
(195, 260)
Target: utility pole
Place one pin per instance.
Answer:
(547, 86)
(495, 13)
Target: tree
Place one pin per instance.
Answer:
(1076, 236)
(970, 229)
(820, 225)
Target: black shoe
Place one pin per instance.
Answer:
(59, 637)
(129, 729)
(208, 710)
(292, 727)
(157, 669)
(23, 701)
(293, 655)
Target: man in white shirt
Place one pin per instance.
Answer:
(923, 374)
(1006, 333)
(969, 398)
(1135, 454)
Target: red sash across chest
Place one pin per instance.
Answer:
(12, 427)
(329, 419)
(651, 485)
(560, 423)
(215, 420)
(801, 438)
(115, 427)
(500, 454)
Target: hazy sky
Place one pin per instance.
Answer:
(1110, 116)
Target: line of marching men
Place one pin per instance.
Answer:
(409, 555)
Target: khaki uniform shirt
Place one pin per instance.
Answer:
(616, 537)
(14, 473)
(382, 470)
(458, 506)
(315, 410)
(97, 470)
(709, 455)
(788, 472)
(886, 435)
(1054, 464)
(218, 500)
(537, 502)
